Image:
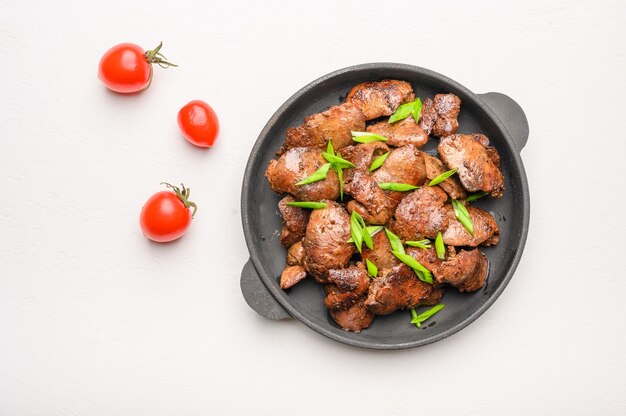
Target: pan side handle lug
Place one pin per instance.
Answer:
(257, 296)
(511, 115)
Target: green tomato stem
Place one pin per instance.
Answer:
(154, 56)
(183, 195)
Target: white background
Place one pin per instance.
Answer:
(96, 320)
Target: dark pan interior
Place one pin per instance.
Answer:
(262, 222)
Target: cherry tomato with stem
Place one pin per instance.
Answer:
(166, 215)
(126, 68)
(198, 123)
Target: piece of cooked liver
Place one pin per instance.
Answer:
(401, 132)
(421, 214)
(486, 228)
(347, 287)
(452, 186)
(447, 107)
(325, 243)
(296, 164)
(355, 318)
(295, 254)
(345, 298)
(380, 98)
(465, 270)
(400, 288)
(334, 124)
(363, 154)
(403, 165)
(370, 201)
(294, 221)
(477, 162)
(291, 275)
(381, 254)
(439, 115)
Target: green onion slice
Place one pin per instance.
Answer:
(356, 231)
(372, 270)
(367, 238)
(307, 204)
(394, 186)
(415, 265)
(337, 161)
(440, 247)
(378, 162)
(463, 216)
(413, 108)
(423, 244)
(418, 319)
(318, 175)
(440, 178)
(372, 229)
(340, 177)
(402, 112)
(394, 241)
(474, 197)
(329, 148)
(367, 137)
(417, 110)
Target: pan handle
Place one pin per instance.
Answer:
(511, 115)
(257, 296)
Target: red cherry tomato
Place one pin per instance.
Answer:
(126, 68)
(198, 123)
(166, 216)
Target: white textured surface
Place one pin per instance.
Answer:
(95, 320)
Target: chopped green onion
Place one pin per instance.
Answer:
(463, 216)
(418, 319)
(393, 186)
(307, 204)
(329, 148)
(378, 162)
(372, 229)
(417, 110)
(424, 244)
(415, 265)
(440, 178)
(318, 175)
(440, 247)
(367, 137)
(474, 197)
(421, 276)
(367, 238)
(394, 241)
(413, 108)
(402, 112)
(372, 270)
(356, 231)
(462, 208)
(340, 177)
(337, 161)
(359, 218)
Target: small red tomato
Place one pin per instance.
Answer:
(126, 68)
(166, 216)
(198, 123)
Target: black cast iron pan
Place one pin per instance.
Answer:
(493, 114)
